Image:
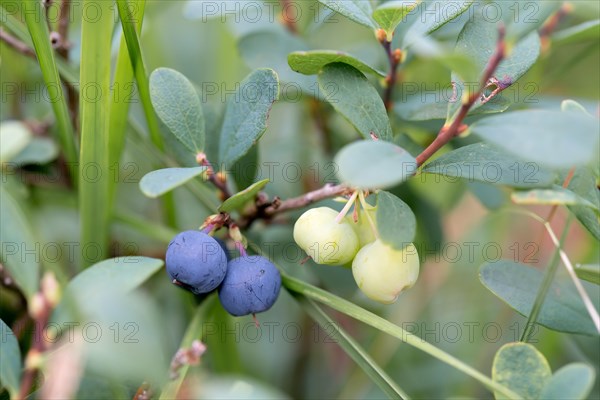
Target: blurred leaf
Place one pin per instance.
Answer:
(246, 115)
(483, 162)
(563, 309)
(34, 13)
(589, 272)
(312, 62)
(389, 14)
(583, 183)
(427, 106)
(159, 182)
(10, 362)
(337, 334)
(17, 236)
(39, 151)
(178, 106)
(436, 14)
(573, 381)
(396, 222)
(356, 99)
(370, 164)
(478, 41)
(589, 30)
(522, 17)
(550, 138)
(359, 11)
(270, 49)
(491, 196)
(14, 138)
(555, 196)
(522, 368)
(239, 200)
(231, 387)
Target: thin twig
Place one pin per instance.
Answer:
(394, 58)
(325, 192)
(289, 23)
(552, 23)
(447, 133)
(16, 44)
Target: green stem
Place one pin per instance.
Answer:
(545, 286)
(354, 311)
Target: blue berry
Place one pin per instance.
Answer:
(197, 261)
(251, 285)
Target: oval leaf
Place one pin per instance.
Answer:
(521, 368)
(312, 62)
(246, 116)
(483, 162)
(583, 183)
(574, 382)
(14, 137)
(178, 106)
(159, 182)
(551, 138)
(358, 11)
(516, 285)
(240, 199)
(10, 362)
(585, 31)
(374, 164)
(391, 13)
(39, 151)
(396, 222)
(351, 94)
(17, 237)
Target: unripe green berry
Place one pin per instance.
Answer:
(362, 227)
(325, 240)
(382, 272)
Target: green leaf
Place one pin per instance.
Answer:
(589, 30)
(94, 181)
(358, 11)
(437, 14)
(239, 200)
(35, 17)
(121, 274)
(573, 381)
(16, 237)
(245, 169)
(396, 222)
(353, 349)
(588, 272)
(389, 14)
(573, 106)
(312, 62)
(522, 368)
(159, 182)
(515, 284)
(14, 137)
(477, 41)
(10, 362)
(483, 162)
(583, 184)
(356, 99)
(369, 164)
(522, 17)
(39, 151)
(246, 116)
(555, 196)
(178, 106)
(550, 138)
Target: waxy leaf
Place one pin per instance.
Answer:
(159, 182)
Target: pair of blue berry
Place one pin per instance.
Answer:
(246, 285)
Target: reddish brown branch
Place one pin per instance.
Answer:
(325, 192)
(447, 133)
(394, 59)
(289, 23)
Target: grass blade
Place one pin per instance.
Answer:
(354, 350)
(40, 37)
(359, 313)
(95, 113)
